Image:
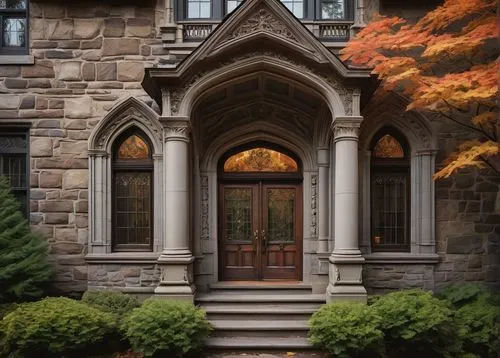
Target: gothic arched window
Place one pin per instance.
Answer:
(132, 192)
(390, 192)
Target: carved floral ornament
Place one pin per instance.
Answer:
(346, 128)
(176, 129)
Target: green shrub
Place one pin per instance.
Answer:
(24, 266)
(110, 301)
(345, 329)
(460, 294)
(54, 327)
(479, 324)
(416, 324)
(166, 327)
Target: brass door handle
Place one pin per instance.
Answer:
(255, 239)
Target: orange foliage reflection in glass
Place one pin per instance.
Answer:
(260, 160)
(133, 147)
(388, 147)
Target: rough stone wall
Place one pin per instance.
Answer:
(467, 220)
(382, 278)
(87, 57)
(123, 275)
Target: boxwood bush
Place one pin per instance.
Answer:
(110, 301)
(54, 327)
(346, 329)
(416, 324)
(168, 328)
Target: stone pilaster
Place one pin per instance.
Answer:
(346, 261)
(176, 259)
(323, 194)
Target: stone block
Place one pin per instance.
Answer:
(15, 83)
(50, 179)
(70, 71)
(114, 27)
(120, 46)
(69, 194)
(39, 83)
(10, 71)
(66, 248)
(37, 194)
(9, 101)
(63, 162)
(137, 27)
(69, 44)
(88, 72)
(79, 147)
(76, 179)
(59, 54)
(60, 29)
(52, 195)
(41, 147)
(81, 220)
(65, 234)
(94, 55)
(56, 206)
(92, 44)
(27, 102)
(38, 29)
(83, 236)
(486, 187)
(80, 273)
(130, 71)
(54, 10)
(56, 218)
(464, 244)
(82, 206)
(49, 123)
(78, 135)
(78, 107)
(56, 103)
(87, 28)
(41, 69)
(106, 71)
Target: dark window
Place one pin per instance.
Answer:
(302, 9)
(390, 192)
(14, 161)
(132, 193)
(14, 27)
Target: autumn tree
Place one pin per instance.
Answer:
(447, 62)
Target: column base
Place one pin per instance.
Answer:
(345, 278)
(176, 280)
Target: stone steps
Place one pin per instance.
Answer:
(259, 316)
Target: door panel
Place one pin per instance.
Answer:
(281, 245)
(260, 235)
(239, 222)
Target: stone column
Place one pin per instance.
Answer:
(323, 234)
(346, 261)
(176, 260)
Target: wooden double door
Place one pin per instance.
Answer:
(260, 231)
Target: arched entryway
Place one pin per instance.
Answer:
(260, 214)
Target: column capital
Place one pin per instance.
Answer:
(175, 128)
(346, 127)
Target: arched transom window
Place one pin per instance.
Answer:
(390, 192)
(260, 160)
(132, 192)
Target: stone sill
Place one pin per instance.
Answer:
(17, 60)
(400, 258)
(123, 258)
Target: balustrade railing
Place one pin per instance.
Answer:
(196, 32)
(334, 32)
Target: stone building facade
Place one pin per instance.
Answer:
(96, 69)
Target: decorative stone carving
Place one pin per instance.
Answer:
(205, 230)
(346, 128)
(176, 129)
(262, 20)
(314, 195)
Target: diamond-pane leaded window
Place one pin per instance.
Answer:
(14, 26)
(132, 193)
(14, 162)
(390, 193)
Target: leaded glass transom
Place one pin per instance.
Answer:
(388, 147)
(134, 147)
(260, 160)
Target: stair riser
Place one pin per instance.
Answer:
(256, 305)
(250, 316)
(263, 291)
(253, 333)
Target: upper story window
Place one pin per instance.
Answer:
(14, 27)
(14, 161)
(390, 192)
(338, 10)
